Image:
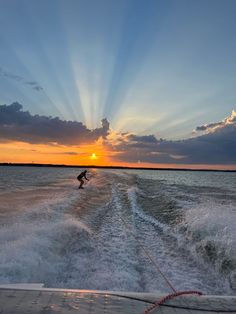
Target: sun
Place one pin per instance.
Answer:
(93, 156)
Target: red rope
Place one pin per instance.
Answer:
(169, 297)
(155, 263)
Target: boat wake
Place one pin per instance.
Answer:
(76, 239)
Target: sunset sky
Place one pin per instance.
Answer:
(118, 82)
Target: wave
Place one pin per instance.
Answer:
(206, 232)
(34, 244)
(77, 239)
(211, 233)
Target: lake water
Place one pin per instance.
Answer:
(53, 233)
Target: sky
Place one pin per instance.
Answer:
(129, 82)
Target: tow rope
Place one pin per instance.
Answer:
(169, 297)
(156, 265)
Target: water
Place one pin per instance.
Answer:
(51, 232)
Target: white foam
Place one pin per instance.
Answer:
(49, 244)
(175, 261)
(138, 210)
(31, 243)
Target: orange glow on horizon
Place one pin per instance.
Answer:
(19, 152)
(84, 155)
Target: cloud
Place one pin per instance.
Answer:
(16, 124)
(17, 78)
(64, 153)
(150, 139)
(7, 74)
(216, 146)
(103, 131)
(34, 85)
(211, 127)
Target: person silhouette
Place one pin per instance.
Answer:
(80, 178)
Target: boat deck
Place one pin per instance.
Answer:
(34, 299)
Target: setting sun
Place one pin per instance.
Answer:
(93, 156)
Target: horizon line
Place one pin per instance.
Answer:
(112, 167)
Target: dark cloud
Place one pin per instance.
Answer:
(103, 131)
(9, 75)
(151, 139)
(37, 88)
(218, 146)
(34, 85)
(206, 127)
(16, 124)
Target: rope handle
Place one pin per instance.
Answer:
(169, 297)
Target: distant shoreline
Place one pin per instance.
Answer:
(109, 167)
